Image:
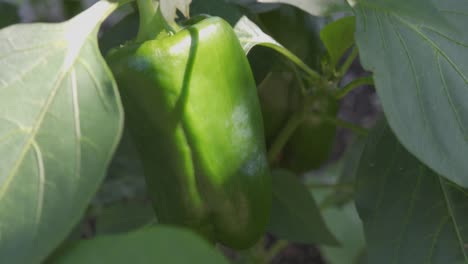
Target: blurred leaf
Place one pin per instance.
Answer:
(159, 244)
(8, 14)
(60, 122)
(338, 37)
(344, 222)
(343, 194)
(124, 216)
(295, 215)
(420, 76)
(342, 218)
(410, 213)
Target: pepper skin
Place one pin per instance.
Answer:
(310, 145)
(192, 108)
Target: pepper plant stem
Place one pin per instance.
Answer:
(147, 10)
(353, 85)
(345, 124)
(347, 63)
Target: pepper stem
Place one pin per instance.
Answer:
(152, 22)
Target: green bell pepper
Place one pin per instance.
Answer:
(311, 143)
(193, 111)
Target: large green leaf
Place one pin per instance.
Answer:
(421, 77)
(158, 244)
(60, 121)
(410, 213)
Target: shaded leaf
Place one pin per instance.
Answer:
(124, 216)
(421, 78)
(159, 244)
(295, 215)
(340, 215)
(60, 122)
(410, 213)
(344, 222)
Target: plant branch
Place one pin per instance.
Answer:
(353, 85)
(347, 63)
(313, 75)
(345, 124)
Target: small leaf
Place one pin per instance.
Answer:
(250, 35)
(170, 7)
(60, 122)
(159, 244)
(295, 216)
(420, 74)
(338, 37)
(410, 213)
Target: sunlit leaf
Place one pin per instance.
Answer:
(60, 121)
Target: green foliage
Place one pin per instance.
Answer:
(61, 121)
(295, 215)
(419, 72)
(159, 244)
(410, 213)
(59, 128)
(338, 37)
